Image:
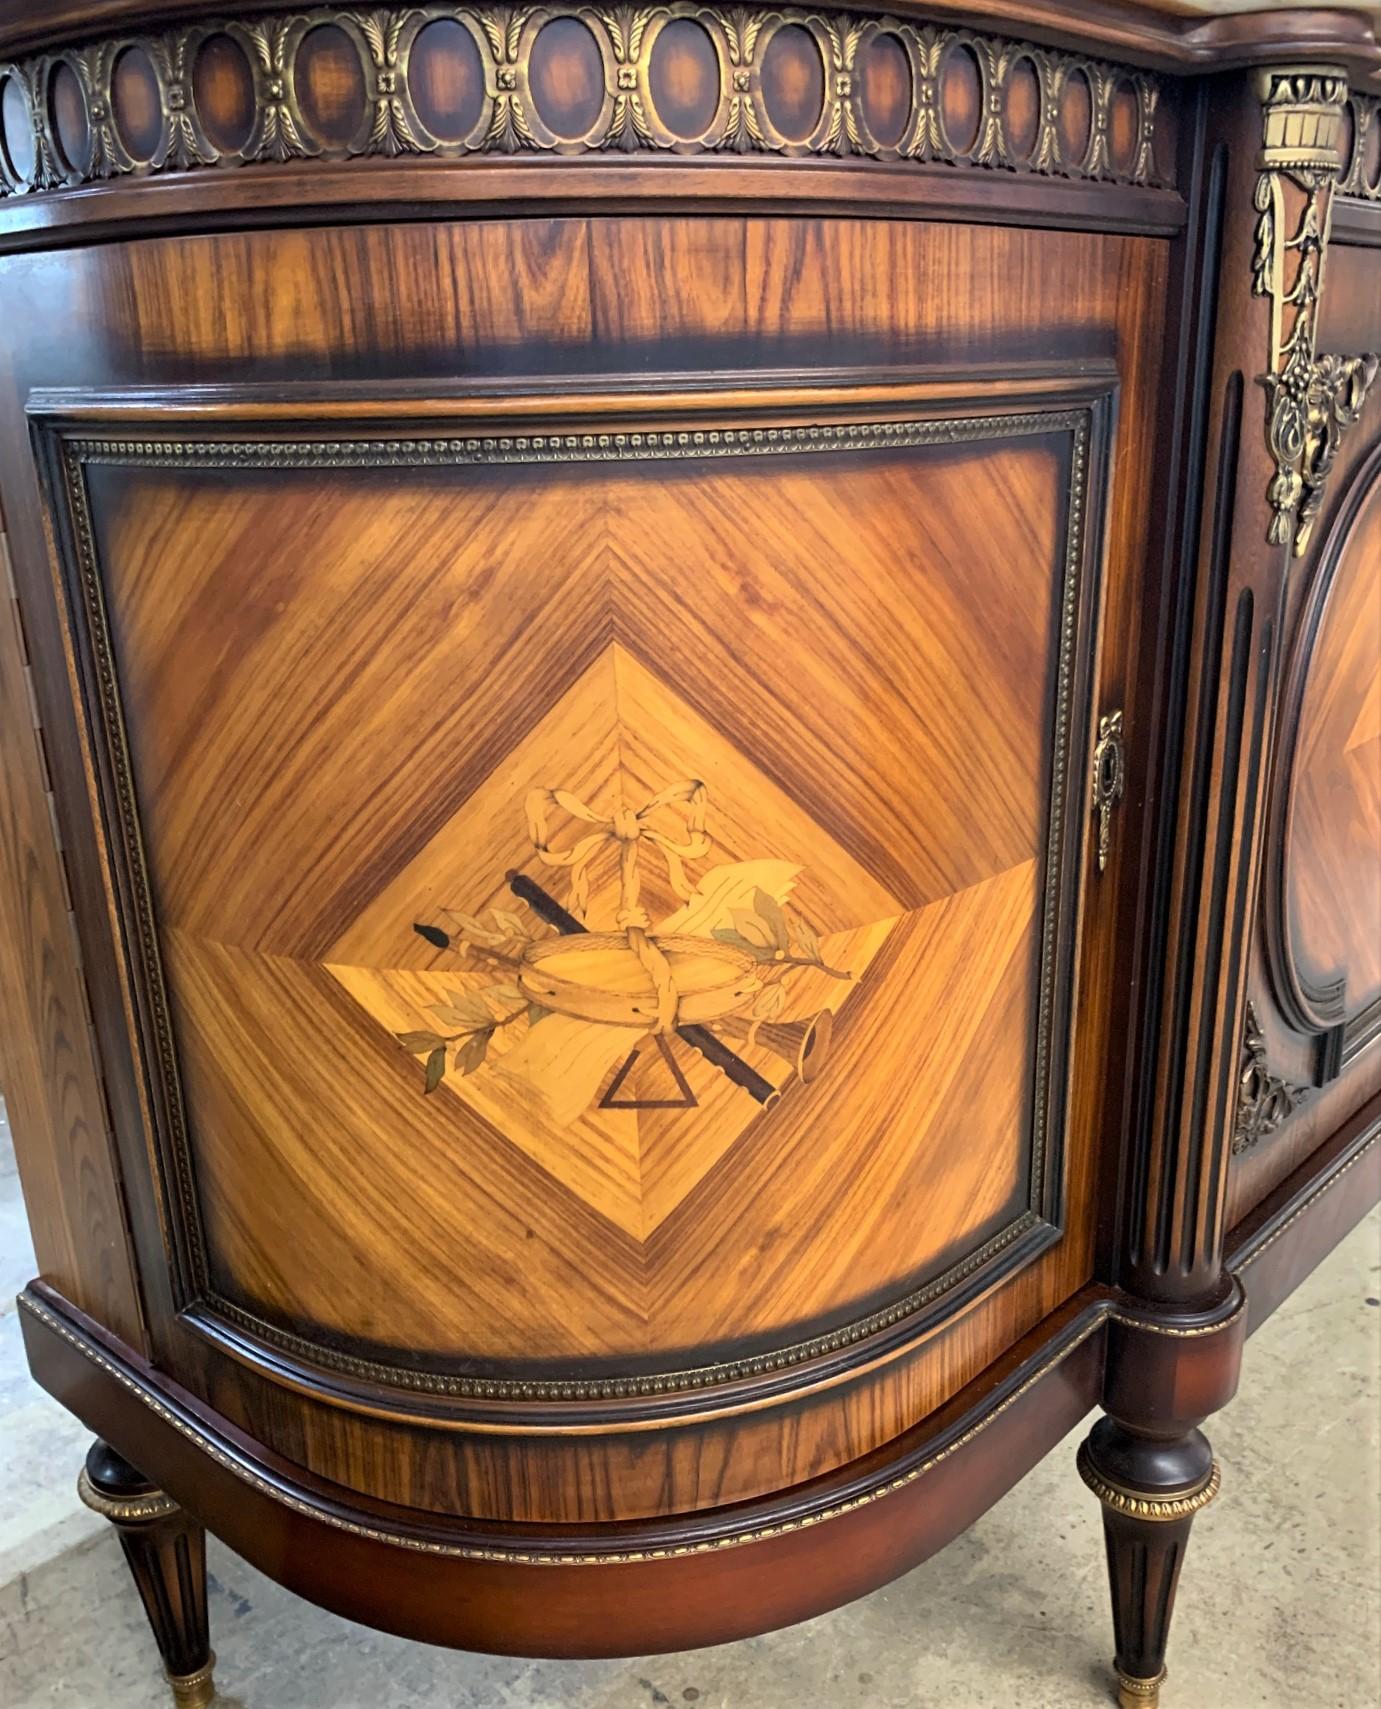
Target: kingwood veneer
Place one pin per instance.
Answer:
(691, 780)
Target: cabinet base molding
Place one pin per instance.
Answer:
(600, 1591)
(885, 1514)
(1274, 1247)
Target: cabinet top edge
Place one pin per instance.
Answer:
(679, 102)
(688, 102)
(1179, 36)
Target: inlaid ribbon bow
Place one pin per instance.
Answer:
(627, 831)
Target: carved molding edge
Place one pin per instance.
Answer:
(1311, 400)
(631, 113)
(1264, 1100)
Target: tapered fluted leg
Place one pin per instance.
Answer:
(1150, 1488)
(166, 1551)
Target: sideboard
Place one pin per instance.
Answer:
(690, 788)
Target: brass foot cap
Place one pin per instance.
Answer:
(1133, 1693)
(194, 1690)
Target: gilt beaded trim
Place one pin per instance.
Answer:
(1134, 1505)
(1364, 1148)
(1132, 1685)
(128, 1510)
(1150, 1326)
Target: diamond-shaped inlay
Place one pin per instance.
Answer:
(627, 934)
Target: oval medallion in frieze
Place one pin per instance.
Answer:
(137, 103)
(338, 84)
(684, 78)
(1366, 165)
(445, 79)
(68, 119)
(566, 78)
(18, 139)
(886, 86)
(1360, 147)
(1075, 124)
(329, 82)
(223, 88)
(1124, 124)
(1022, 108)
(1323, 903)
(792, 81)
(961, 96)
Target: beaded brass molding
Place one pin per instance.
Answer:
(1157, 1508)
(881, 83)
(205, 1443)
(1311, 401)
(1030, 1229)
(1264, 1099)
(1366, 122)
(1242, 1262)
(685, 1381)
(194, 1690)
(1149, 1326)
(1137, 1693)
(131, 1510)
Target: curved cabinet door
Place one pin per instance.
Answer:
(1330, 902)
(1310, 1054)
(605, 883)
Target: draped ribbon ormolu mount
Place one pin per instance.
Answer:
(628, 831)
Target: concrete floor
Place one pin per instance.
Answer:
(1280, 1604)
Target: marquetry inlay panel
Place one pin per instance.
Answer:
(598, 958)
(439, 81)
(1328, 947)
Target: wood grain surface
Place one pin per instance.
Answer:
(53, 1096)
